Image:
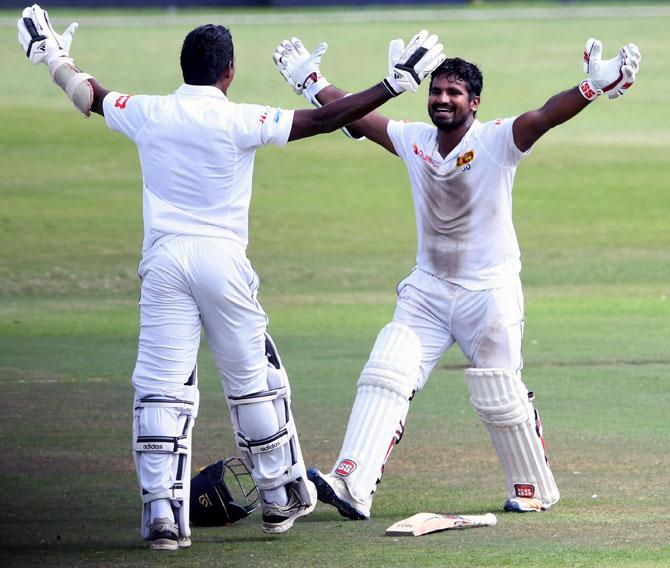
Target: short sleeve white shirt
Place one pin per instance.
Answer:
(197, 152)
(463, 203)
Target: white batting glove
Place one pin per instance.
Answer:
(611, 76)
(300, 68)
(39, 40)
(410, 65)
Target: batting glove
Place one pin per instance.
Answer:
(300, 68)
(611, 76)
(39, 40)
(408, 66)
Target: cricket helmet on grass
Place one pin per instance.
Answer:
(222, 493)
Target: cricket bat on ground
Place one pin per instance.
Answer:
(424, 523)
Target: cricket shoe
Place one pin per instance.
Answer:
(164, 535)
(279, 518)
(334, 491)
(523, 505)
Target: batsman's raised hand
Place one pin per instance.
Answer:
(39, 40)
(612, 76)
(410, 65)
(300, 68)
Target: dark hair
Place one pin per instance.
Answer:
(206, 53)
(467, 72)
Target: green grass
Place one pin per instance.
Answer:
(332, 231)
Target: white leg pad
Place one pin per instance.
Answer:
(502, 402)
(171, 437)
(377, 420)
(276, 458)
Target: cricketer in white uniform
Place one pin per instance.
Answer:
(196, 150)
(465, 287)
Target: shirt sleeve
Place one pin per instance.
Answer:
(396, 131)
(126, 113)
(500, 141)
(258, 125)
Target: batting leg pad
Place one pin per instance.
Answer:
(162, 433)
(503, 404)
(384, 390)
(275, 454)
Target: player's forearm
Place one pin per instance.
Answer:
(338, 112)
(346, 110)
(531, 125)
(562, 107)
(356, 129)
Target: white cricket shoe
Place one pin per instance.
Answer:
(523, 505)
(333, 490)
(279, 518)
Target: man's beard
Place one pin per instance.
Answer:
(447, 124)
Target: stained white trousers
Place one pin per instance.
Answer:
(486, 324)
(189, 284)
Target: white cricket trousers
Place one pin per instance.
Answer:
(189, 283)
(486, 324)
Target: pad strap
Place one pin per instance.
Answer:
(271, 443)
(190, 406)
(255, 398)
(162, 444)
(175, 493)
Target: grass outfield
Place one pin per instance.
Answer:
(332, 231)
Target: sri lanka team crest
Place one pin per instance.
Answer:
(466, 158)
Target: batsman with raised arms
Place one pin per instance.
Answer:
(465, 287)
(197, 151)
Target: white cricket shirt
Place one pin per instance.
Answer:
(463, 203)
(197, 153)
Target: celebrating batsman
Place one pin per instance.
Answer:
(197, 152)
(465, 287)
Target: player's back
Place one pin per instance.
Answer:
(197, 153)
(191, 155)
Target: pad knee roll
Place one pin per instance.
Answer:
(503, 404)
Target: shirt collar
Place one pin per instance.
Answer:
(201, 90)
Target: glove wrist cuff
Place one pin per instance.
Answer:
(588, 91)
(55, 55)
(392, 86)
(314, 84)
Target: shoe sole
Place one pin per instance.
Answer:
(325, 494)
(513, 507)
(164, 544)
(287, 524)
